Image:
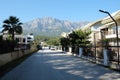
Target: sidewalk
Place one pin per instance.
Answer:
(112, 65)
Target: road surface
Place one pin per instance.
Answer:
(51, 65)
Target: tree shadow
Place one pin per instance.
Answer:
(78, 67)
(59, 66)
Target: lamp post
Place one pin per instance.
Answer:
(117, 38)
(95, 45)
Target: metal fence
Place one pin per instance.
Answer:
(95, 54)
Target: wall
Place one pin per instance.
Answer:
(5, 58)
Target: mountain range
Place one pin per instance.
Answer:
(49, 26)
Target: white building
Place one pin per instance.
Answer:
(104, 29)
(22, 39)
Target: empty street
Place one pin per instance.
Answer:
(56, 65)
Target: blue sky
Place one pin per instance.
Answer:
(73, 10)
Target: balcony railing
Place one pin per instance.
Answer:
(111, 36)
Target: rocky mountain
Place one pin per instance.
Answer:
(50, 26)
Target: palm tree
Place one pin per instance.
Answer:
(12, 25)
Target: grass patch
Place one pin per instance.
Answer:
(10, 65)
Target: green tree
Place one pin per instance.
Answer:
(53, 41)
(79, 38)
(12, 25)
(72, 38)
(82, 38)
(64, 42)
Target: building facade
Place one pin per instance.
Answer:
(104, 34)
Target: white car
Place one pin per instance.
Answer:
(52, 48)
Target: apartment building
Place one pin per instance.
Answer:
(104, 35)
(109, 28)
(104, 29)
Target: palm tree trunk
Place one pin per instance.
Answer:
(13, 43)
(13, 35)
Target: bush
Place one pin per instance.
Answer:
(7, 46)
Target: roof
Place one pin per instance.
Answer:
(106, 25)
(115, 15)
(106, 20)
(89, 25)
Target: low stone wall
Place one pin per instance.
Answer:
(7, 57)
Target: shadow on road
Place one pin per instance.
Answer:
(52, 65)
(69, 65)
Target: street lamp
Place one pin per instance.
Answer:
(95, 44)
(116, 30)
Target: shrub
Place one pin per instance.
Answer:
(7, 46)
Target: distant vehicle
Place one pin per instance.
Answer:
(52, 48)
(39, 47)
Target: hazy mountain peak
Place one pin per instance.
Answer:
(49, 26)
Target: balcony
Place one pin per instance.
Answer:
(111, 36)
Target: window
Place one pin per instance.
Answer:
(17, 39)
(23, 39)
(114, 29)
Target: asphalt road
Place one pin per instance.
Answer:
(51, 65)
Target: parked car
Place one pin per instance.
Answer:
(52, 48)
